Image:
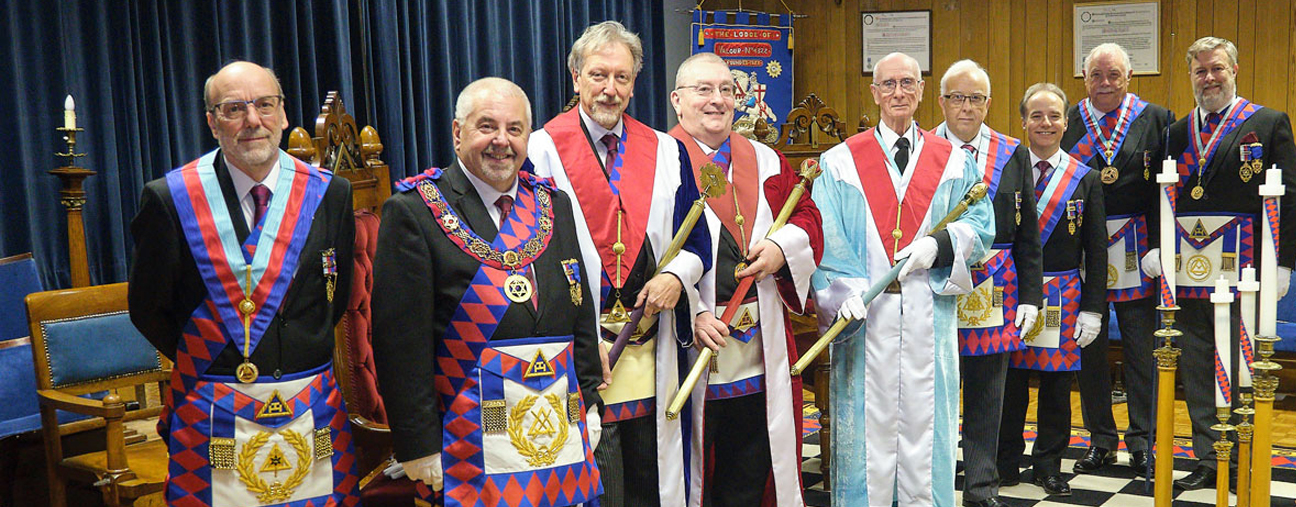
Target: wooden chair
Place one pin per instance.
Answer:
(812, 128)
(83, 342)
(334, 147)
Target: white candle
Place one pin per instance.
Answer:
(1271, 189)
(1169, 178)
(1222, 297)
(69, 113)
(1247, 288)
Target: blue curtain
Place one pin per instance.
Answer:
(136, 69)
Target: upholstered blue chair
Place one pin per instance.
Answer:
(83, 342)
(18, 408)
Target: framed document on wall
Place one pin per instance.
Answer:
(1133, 25)
(887, 32)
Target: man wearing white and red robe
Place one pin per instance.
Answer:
(895, 382)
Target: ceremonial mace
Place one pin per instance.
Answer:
(1266, 381)
(973, 195)
(713, 185)
(809, 171)
(1167, 356)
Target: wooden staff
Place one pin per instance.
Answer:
(713, 185)
(973, 195)
(809, 171)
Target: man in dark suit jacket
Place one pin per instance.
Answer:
(1120, 135)
(196, 236)
(1072, 228)
(483, 330)
(1235, 138)
(1012, 273)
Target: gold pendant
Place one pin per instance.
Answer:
(517, 288)
(897, 233)
(1018, 218)
(738, 269)
(1198, 192)
(1071, 226)
(1244, 173)
(247, 372)
(576, 296)
(618, 314)
(1109, 175)
(1201, 163)
(1147, 174)
(247, 307)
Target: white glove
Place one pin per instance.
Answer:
(1284, 281)
(921, 255)
(1026, 315)
(426, 469)
(1087, 326)
(853, 308)
(394, 470)
(1151, 264)
(594, 426)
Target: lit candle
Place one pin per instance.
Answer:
(1169, 178)
(1271, 189)
(1247, 288)
(1223, 298)
(69, 113)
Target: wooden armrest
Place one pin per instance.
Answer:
(96, 408)
(363, 422)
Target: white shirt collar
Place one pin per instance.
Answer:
(597, 131)
(487, 193)
(1202, 113)
(889, 137)
(1054, 161)
(706, 150)
(243, 187)
(978, 141)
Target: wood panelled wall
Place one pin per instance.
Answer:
(1021, 42)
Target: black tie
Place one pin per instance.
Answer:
(902, 154)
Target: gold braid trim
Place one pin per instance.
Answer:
(541, 456)
(267, 493)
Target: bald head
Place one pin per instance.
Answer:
(237, 71)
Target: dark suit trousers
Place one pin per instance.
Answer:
(1137, 320)
(1053, 413)
(1196, 318)
(983, 396)
(737, 452)
(627, 461)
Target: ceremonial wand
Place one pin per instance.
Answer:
(809, 171)
(713, 185)
(973, 195)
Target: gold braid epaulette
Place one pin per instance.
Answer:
(472, 244)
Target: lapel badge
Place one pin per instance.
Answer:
(328, 260)
(571, 268)
(1252, 155)
(1147, 165)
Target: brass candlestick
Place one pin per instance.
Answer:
(1223, 449)
(1244, 431)
(1167, 357)
(72, 196)
(1265, 384)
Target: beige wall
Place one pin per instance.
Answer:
(1021, 42)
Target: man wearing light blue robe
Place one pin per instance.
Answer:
(895, 379)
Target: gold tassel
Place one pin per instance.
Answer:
(1229, 262)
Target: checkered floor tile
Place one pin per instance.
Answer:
(1114, 486)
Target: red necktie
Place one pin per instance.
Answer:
(1208, 128)
(611, 141)
(971, 150)
(505, 205)
(260, 197)
(1045, 171)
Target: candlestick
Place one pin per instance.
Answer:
(69, 113)
(1168, 180)
(1247, 288)
(1223, 298)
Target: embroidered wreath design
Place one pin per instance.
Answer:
(267, 493)
(537, 456)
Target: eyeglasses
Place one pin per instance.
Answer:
(889, 86)
(957, 98)
(726, 90)
(237, 109)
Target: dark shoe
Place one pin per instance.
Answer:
(1139, 462)
(1054, 485)
(993, 501)
(1202, 477)
(1094, 459)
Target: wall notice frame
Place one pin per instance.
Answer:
(1133, 25)
(886, 32)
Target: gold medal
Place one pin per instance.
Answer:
(1109, 175)
(517, 288)
(1244, 173)
(738, 269)
(1018, 218)
(1198, 192)
(1147, 174)
(247, 372)
(1071, 226)
(897, 233)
